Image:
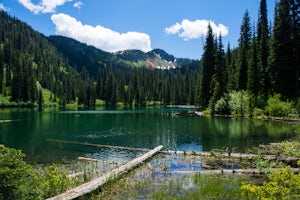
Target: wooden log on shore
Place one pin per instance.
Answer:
(100, 181)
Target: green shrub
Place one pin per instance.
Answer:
(258, 112)
(239, 103)
(19, 180)
(222, 106)
(16, 176)
(277, 108)
(54, 180)
(283, 184)
(297, 106)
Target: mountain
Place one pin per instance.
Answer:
(80, 54)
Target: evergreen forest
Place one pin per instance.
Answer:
(36, 70)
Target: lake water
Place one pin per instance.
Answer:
(143, 128)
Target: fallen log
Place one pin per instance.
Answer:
(249, 172)
(98, 145)
(236, 155)
(100, 181)
(242, 171)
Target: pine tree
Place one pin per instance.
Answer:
(207, 70)
(8, 60)
(99, 85)
(40, 99)
(253, 80)
(17, 81)
(282, 67)
(229, 69)
(263, 47)
(244, 43)
(110, 89)
(1, 71)
(221, 73)
(295, 12)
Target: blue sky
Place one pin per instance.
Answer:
(176, 26)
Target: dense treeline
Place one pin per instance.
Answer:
(140, 86)
(266, 62)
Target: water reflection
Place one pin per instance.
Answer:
(142, 128)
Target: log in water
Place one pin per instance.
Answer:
(100, 181)
(203, 153)
(98, 145)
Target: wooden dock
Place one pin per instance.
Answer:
(100, 181)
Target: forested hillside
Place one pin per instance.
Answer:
(28, 62)
(36, 69)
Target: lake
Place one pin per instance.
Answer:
(175, 128)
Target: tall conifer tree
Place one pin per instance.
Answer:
(263, 49)
(221, 65)
(295, 11)
(253, 81)
(282, 67)
(1, 71)
(207, 70)
(244, 43)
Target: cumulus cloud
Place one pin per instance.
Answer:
(44, 6)
(194, 29)
(99, 36)
(2, 7)
(78, 4)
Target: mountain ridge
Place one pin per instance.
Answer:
(156, 58)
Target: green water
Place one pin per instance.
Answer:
(145, 128)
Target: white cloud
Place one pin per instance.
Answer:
(44, 6)
(2, 7)
(78, 4)
(99, 36)
(194, 29)
(173, 29)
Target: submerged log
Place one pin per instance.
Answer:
(100, 181)
(98, 145)
(281, 158)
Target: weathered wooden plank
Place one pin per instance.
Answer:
(100, 181)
